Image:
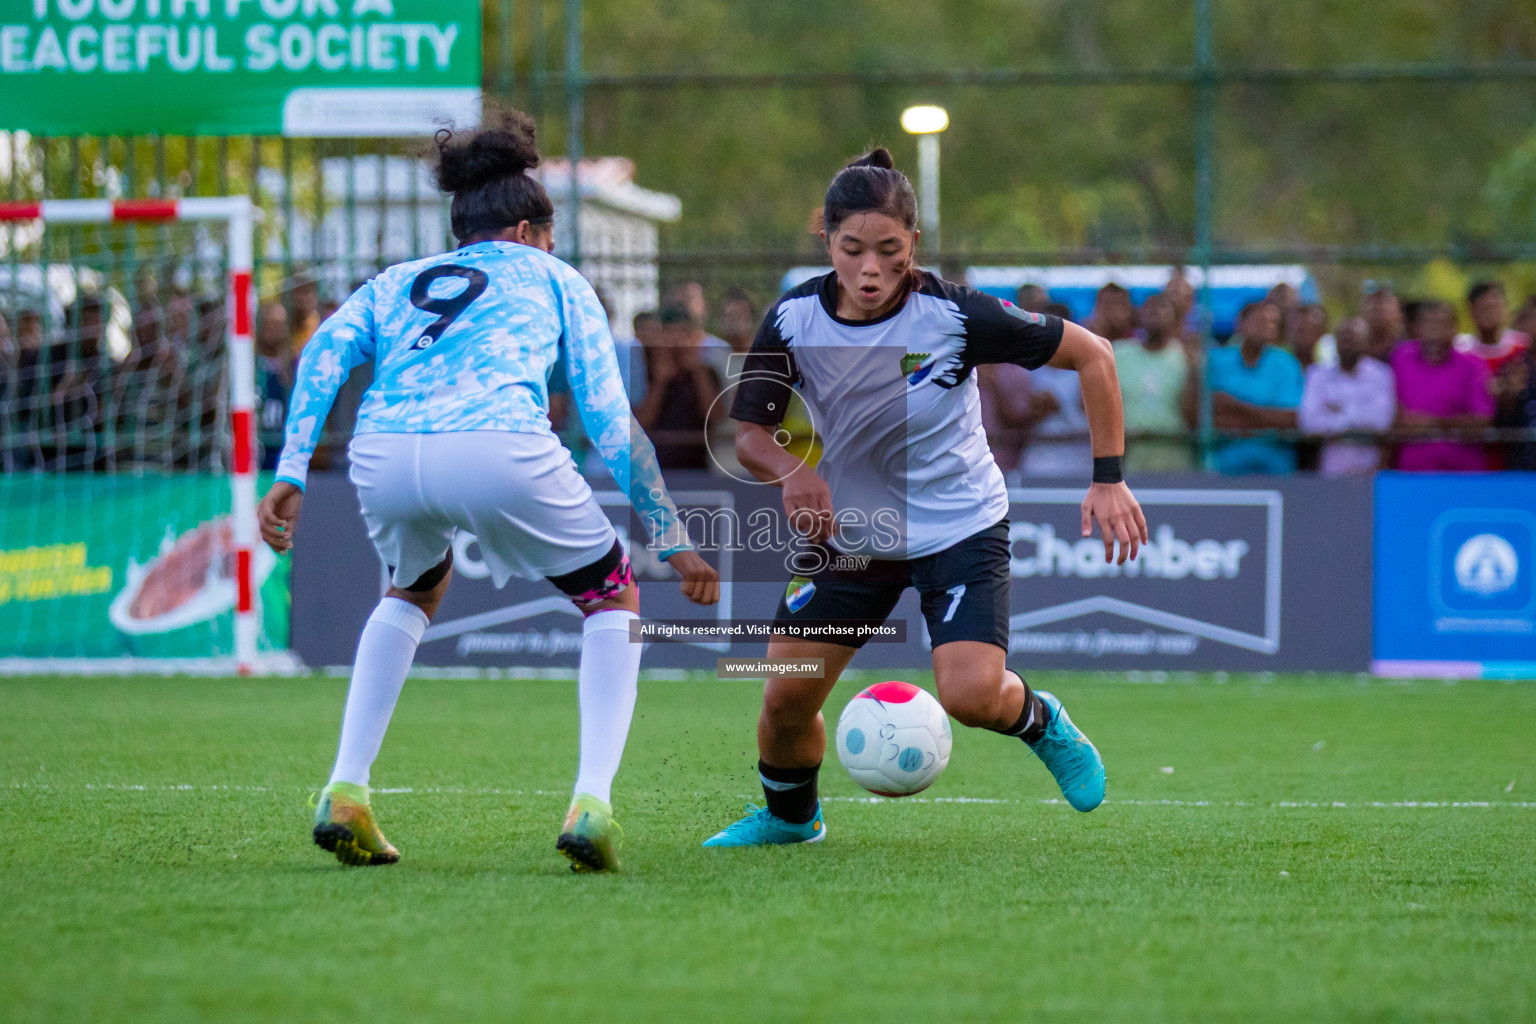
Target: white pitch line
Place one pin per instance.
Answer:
(182, 787)
(463, 791)
(1051, 802)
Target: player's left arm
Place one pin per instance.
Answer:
(592, 368)
(346, 340)
(1109, 499)
(1000, 332)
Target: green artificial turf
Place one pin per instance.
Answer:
(155, 862)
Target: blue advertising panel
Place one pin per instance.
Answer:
(1455, 575)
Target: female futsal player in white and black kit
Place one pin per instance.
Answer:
(883, 355)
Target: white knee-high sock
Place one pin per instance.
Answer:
(607, 687)
(384, 654)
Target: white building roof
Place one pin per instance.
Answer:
(1228, 276)
(609, 181)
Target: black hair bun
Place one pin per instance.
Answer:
(473, 158)
(877, 157)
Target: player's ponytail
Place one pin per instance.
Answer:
(485, 170)
(869, 183)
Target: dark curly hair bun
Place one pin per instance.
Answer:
(476, 157)
(484, 169)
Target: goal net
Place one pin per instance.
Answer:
(128, 453)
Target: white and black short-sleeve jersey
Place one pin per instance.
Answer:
(895, 404)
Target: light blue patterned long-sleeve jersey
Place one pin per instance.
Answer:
(466, 341)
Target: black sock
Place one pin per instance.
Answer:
(791, 792)
(1032, 720)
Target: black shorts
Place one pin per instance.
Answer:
(963, 590)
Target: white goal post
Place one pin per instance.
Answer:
(237, 213)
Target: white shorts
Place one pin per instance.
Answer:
(518, 493)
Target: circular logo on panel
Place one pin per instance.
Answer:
(1486, 565)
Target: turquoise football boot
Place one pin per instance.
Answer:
(1071, 757)
(760, 828)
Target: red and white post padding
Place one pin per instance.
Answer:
(238, 212)
(242, 404)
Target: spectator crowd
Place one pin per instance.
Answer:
(69, 402)
(1394, 384)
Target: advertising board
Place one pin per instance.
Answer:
(1455, 575)
(126, 565)
(1260, 574)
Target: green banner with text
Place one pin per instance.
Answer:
(113, 566)
(305, 68)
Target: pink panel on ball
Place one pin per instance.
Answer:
(892, 691)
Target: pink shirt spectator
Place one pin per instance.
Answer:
(1455, 386)
(1336, 402)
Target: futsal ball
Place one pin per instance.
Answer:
(894, 739)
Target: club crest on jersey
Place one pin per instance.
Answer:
(798, 593)
(921, 366)
(915, 366)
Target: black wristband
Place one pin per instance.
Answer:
(1106, 469)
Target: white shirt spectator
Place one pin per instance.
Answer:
(1327, 351)
(1046, 456)
(716, 354)
(1334, 401)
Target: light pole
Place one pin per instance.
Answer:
(926, 122)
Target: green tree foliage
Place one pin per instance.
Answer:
(1055, 166)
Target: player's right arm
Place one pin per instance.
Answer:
(807, 498)
(762, 399)
(343, 342)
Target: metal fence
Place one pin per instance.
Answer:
(336, 210)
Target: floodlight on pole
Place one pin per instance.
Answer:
(926, 122)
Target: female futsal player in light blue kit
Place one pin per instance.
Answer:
(453, 434)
